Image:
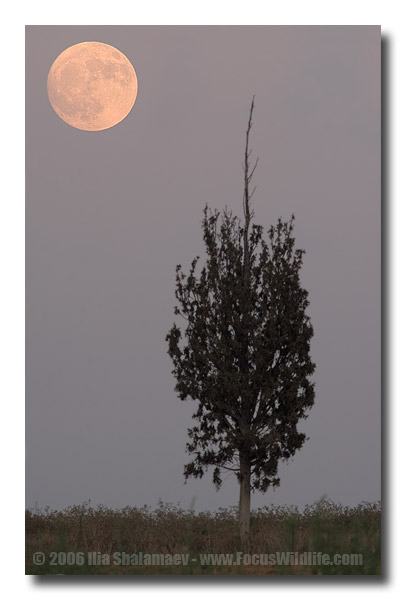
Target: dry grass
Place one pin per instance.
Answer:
(168, 529)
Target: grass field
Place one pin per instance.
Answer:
(171, 541)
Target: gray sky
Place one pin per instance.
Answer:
(109, 214)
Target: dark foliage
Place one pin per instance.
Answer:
(246, 357)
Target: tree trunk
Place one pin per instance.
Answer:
(245, 501)
(245, 465)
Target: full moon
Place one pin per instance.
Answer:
(92, 86)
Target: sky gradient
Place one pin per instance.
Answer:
(109, 215)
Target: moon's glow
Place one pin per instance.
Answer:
(92, 86)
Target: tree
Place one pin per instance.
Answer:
(244, 354)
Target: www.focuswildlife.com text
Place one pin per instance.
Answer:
(281, 559)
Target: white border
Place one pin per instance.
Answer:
(388, 14)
